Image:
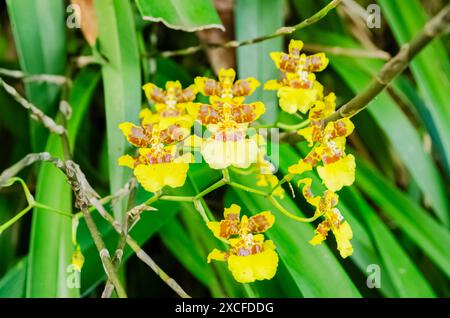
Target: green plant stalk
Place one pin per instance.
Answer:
(277, 204)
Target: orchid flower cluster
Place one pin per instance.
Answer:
(166, 130)
(299, 90)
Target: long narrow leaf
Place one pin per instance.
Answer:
(121, 81)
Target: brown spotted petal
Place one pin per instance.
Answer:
(229, 228)
(260, 222)
(172, 134)
(187, 95)
(288, 63)
(315, 63)
(246, 113)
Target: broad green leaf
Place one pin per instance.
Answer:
(177, 240)
(12, 285)
(50, 243)
(192, 15)
(121, 82)
(432, 238)
(430, 68)
(39, 33)
(255, 18)
(398, 266)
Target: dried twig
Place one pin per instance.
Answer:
(350, 52)
(39, 78)
(84, 196)
(436, 26)
(234, 44)
(36, 113)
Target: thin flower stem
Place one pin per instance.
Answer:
(14, 219)
(49, 208)
(117, 258)
(439, 24)
(26, 161)
(31, 204)
(210, 189)
(285, 179)
(278, 205)
(201, 210)
(153, 199)
(248, 189)
(286, 30)
(226, 175)
(177, 198)
(293, 127)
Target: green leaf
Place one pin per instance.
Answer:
(255, 18)
(190, 16)
(121, 82)
(50, 242)
(430, 68)
(177, 240)
(12, 285)
(39, 33)
(400, 269)
(432, 238)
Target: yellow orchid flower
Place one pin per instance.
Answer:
(230, 149)
(170, 104)
(296, 62)
(337, 174)
(338, 169)
(298, 99)
(333, 219)
(298, 88)
(77, 258)
(155, 168)
(154, 177)
(227, 118)
(250, 257)
(157, 164)
(226, 87)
